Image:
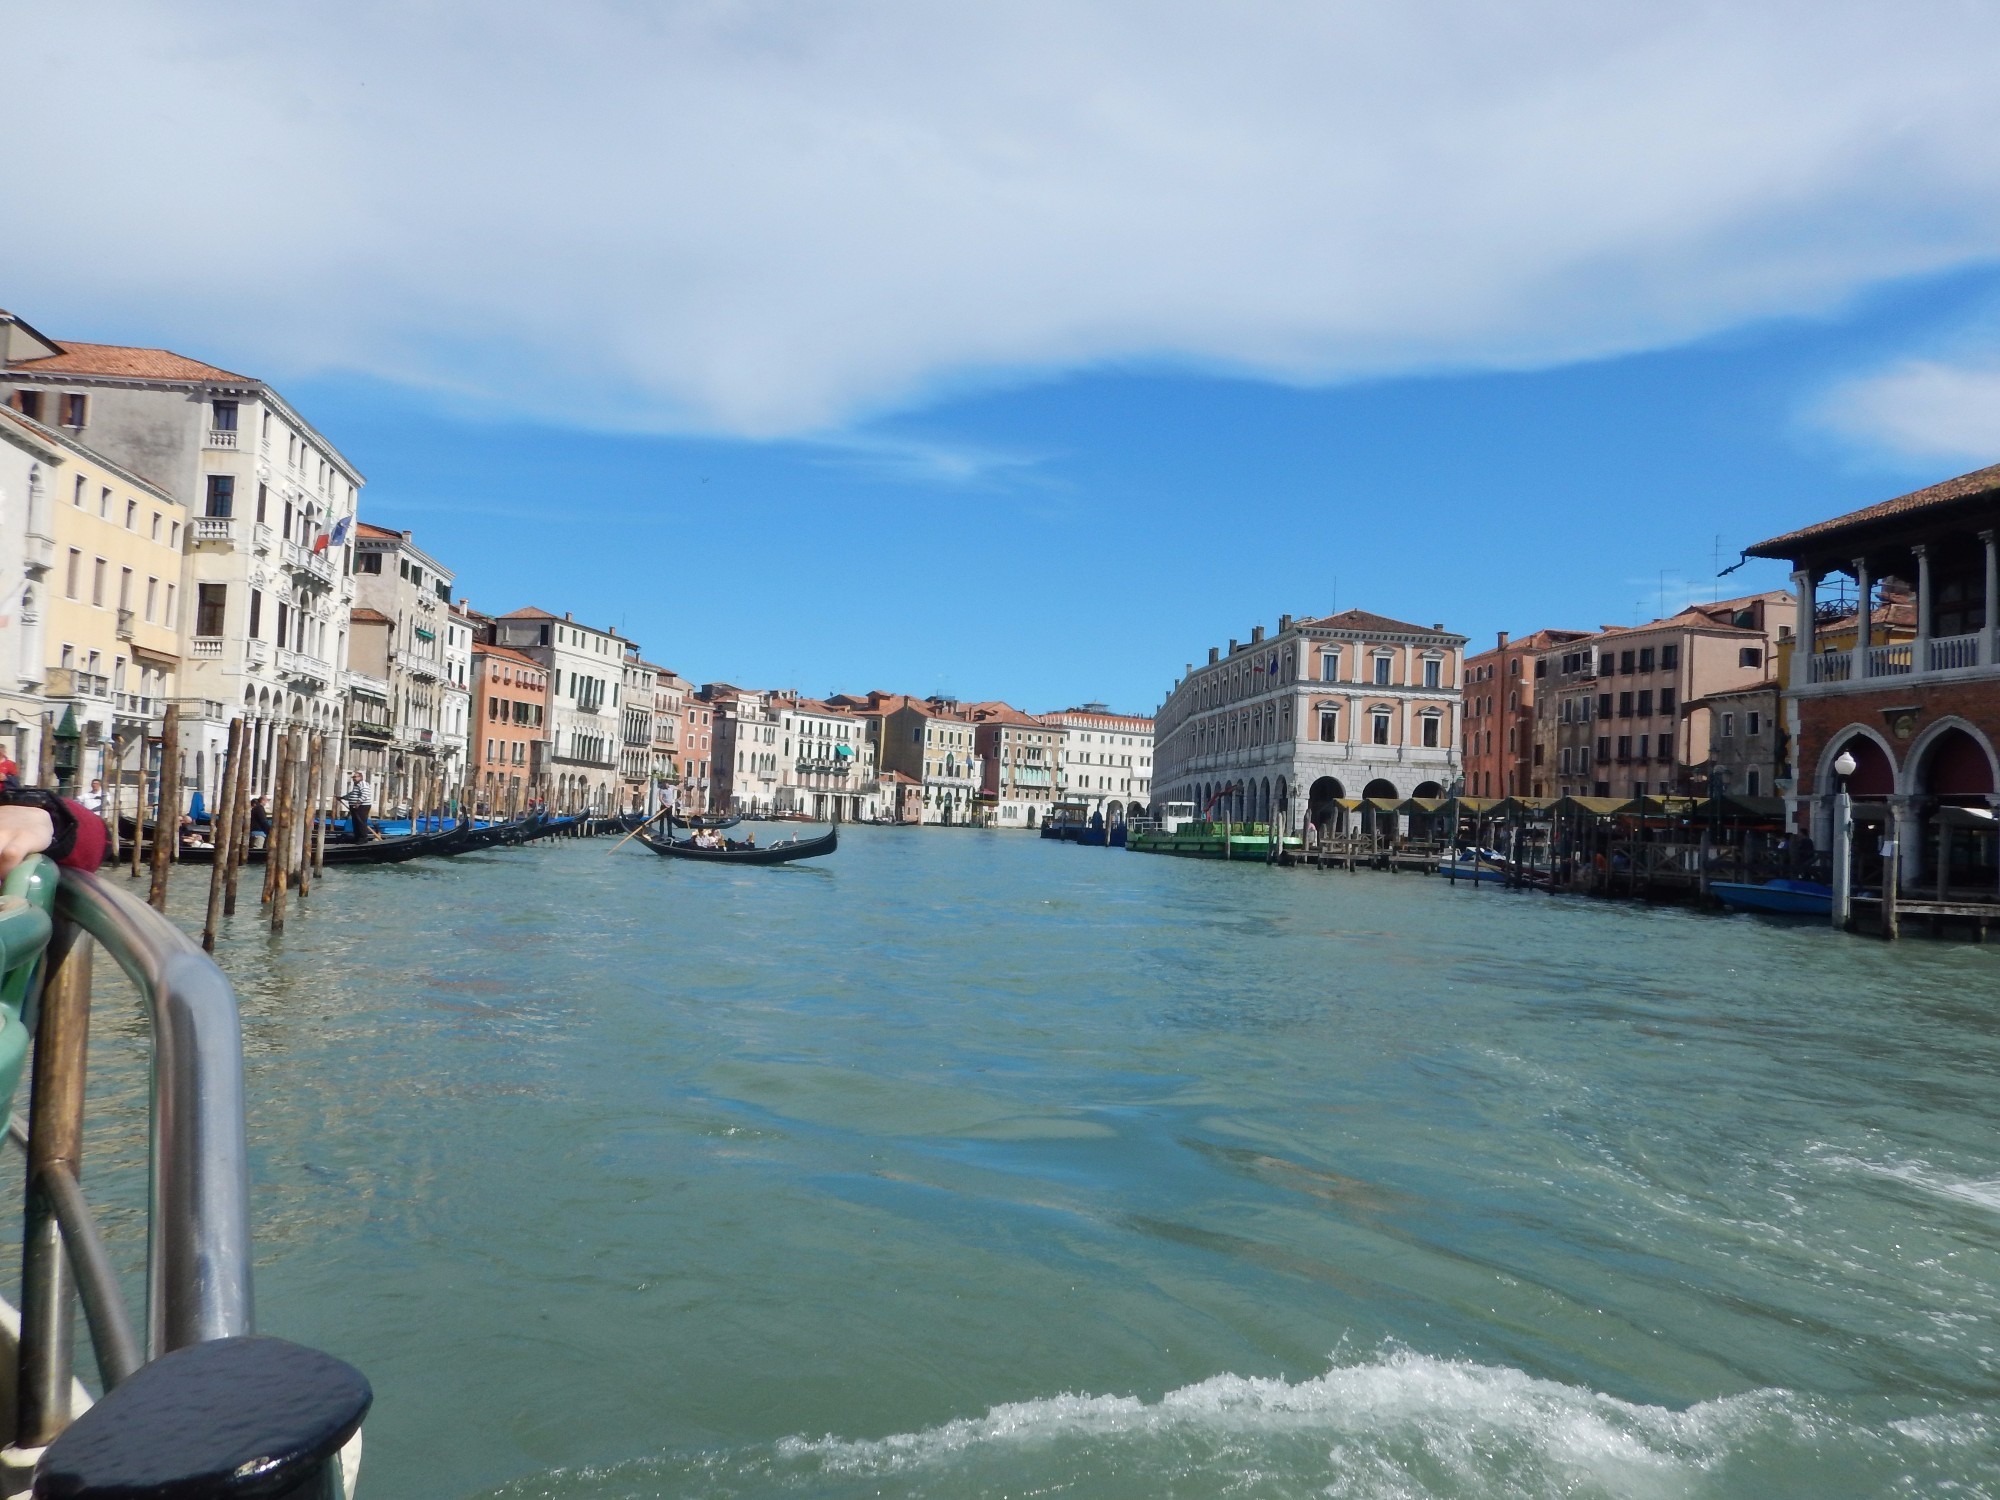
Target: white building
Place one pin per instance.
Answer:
(1353, 705)
(455, 700)
(636, 732)
(826, 761)
(586, 669)
(405, 585)
(1107, 760)
(28, 464)
(746, 754)
(265, 590)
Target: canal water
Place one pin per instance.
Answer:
(967, 1165)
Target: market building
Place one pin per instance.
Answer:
(1329, 709)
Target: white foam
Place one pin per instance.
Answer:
(1981, 1192)
(1378, 1428)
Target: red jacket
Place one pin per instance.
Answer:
(87, 851)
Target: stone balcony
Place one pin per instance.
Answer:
(296, 666)
(214, 531)
(221, 438)
(1941, 659)
(308, 563)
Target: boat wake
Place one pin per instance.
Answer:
(1398, 1427)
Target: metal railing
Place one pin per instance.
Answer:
(198, 1248)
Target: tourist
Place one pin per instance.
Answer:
(260, 823)
(94, 798)
(359, 797)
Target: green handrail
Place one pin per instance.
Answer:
(27, 899)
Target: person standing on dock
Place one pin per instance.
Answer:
(359, 797)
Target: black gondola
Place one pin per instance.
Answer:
(710, 825)
(745, 854)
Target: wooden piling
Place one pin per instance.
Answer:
(166, 821)
(114, 850)
(225, 831)
(278, 861)
(239, 819)
(309, 811)
(139, 805)
(274, 841)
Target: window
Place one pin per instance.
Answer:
(125, 589)
(1562, 759)
(1666, 700)
(1430, 723)
(256, 614)
(1751, 782)
(76, 495)
(221, 495)
(210, 600)
(29, 404)
(263, 494)
(1624, 747)
(1750, 656)
(1670, 658)
(1728, 728)
(1433, 672)
(1603, 705)
(1645, 703)
(73, 578)
(99, 571)
(371, 562)
(1645, 658)
(1645, 746)
(174, 535)
(1382, 678)
(170, 618)
(131, 515)
(1604, 747)
(1624, 705)
(72, 411)
(156, 526)
(1381, 734)
(222, 416)
(1753, 723)
(1639, 787)
(104, 503)
(152, 599)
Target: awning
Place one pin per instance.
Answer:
(1597, 807)
(1424, 806)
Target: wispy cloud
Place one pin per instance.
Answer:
(927, 461)
(767, 219)
(1946, 409)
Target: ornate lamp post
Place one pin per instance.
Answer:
(1844, 766)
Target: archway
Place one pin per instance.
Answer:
(1874, 772)
(1954, 767)
(1428, 789)
(1321, 800)
(1961, 849)
(1380, 787)
(1373, 817)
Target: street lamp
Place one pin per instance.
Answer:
(1844, 766)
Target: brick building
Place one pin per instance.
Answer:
(509, 733)
(1921, 716)
(1500, 714)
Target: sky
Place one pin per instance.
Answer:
(1027, 350)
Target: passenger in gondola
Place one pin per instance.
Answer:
(749, 841)
(260, 823)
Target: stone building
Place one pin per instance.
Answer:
(509, 732)
(264, 590)
(1921, 716)
(1620, 713)
(826, 761)
(1020, 759)
(932, 742)
(636, 733)
(1500, 687)
(403, 595)
(745, 756)
(1747, 744)
(29, 465)
(586, 668)
(1342, 706)
(1107, 760)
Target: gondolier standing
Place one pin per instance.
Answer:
(359, 797)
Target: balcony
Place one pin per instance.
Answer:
(347, 591)
(361, 682)
(262, 538)
(296, 666)
(126, 620)
(256, 653)
(137, 705)
(73, 682)
(206, 648)
(308, 563)
(220, 529)
(1950, 654)
(221, 437)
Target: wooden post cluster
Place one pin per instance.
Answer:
(166, 820)
(225, 830)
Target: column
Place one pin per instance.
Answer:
(1989, 638)
(1802, 630)
(1920, 654)
(1864, 616)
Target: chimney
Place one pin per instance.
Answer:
(1439, 627)
(1503, 641)
(1233, 643)
(569, 617)
(1284, 623)
(1212, 654)
(1256, 634)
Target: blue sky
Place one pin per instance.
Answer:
(1084, 536)
(1027, 350)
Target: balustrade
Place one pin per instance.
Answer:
(214, 529)
(1890, 661)
(1951, 652)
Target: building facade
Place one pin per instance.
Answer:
(826, 761)
(1618, 714)
(403, 596)
(455, 699)
(30, 462)
(636, 733)
(932, 742)
(1343, 706)
(586, 668)
(1747, 744)
(264, 588)
(510, 728)
(1500, 748)
(1920, 716)
(696, 750)
(1107, 760)
(745, 756)
(1020, 764)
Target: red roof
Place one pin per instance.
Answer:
(1361, 619)
(129, 363)
(383, 533)
(370, 617)
(1979, 484)
(505, 653)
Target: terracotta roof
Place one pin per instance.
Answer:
(130, 363)
(1979, 484)
(369, 617)
(505, 653)
(529, 612)
(1540, 640)
(1136, 721)
(996, 712)
(382, 533)
(1361, 619)
(906, 780)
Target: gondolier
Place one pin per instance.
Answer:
(359, 797)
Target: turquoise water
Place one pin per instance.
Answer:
(969, 1165)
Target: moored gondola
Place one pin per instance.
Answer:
(744, 854)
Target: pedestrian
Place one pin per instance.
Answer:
(94, 798)
(260, 822)
(359, 797)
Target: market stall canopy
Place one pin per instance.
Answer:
(1424, 806)
(1598, 807)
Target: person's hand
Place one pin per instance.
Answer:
(23, 831)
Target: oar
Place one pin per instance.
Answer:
(663, 812)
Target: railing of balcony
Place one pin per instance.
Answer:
(220, 437)
(1889, 661)
(214, 529)
(1951, 652)
(1830, 666)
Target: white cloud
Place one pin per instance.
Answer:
(1923, 408)
(760, 217)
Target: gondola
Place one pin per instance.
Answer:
(743, 854)
(712, 825)
(380, 852)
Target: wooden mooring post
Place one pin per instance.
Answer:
(225, 832)
(166, 821)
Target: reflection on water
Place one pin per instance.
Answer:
(965, 1164)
